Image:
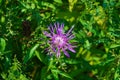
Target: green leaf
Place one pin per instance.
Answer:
(114, 45)
(40, 56)
(48, 5)
(0, 1)
(117, 75)
(75, 72)
(108, 61)
(43, 73)
(55, 75)
(2, 44)
(72, 61)
(58, 1)
(50, 64)
(33, 50)
(29, 55)
(61, 73)
(84, 23)
(2, 19)
(33, 6)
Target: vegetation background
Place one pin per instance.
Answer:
(23, 54)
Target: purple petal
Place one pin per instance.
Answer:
(70, 45)
(59, 31)
(71, 49)
(55, 26)
(53, 48)
(66, 53)
(71, 37)
(58, 53)
(62, 25)
(47, 34)
(58, 25)
(51, 28)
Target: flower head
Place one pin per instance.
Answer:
(59, 41)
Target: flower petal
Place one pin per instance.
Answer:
(70, 45)
(71, 49)
(55, 25)
(66, 53)
(58, 25)
(47, 34)
(58, 53)
(71, 37)
(50, 28)
(62, 26)
(53, 48)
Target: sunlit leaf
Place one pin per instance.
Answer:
(114, 45)
(58, 1)
(48, 5)
(32, 6)
(2, 19)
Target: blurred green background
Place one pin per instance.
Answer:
(23, 45)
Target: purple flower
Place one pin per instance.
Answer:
(59, 41)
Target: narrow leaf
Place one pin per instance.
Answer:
(29, 55)
(40, 56)
(114, 46)
(2, 44)
(62, 73)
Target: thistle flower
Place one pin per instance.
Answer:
(59, 41)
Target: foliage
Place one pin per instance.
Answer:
(24, 47)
